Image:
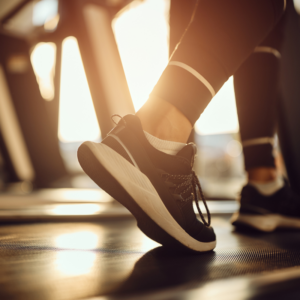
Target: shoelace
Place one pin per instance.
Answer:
(192, 182)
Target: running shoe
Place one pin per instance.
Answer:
(157, 188)
(267, 213)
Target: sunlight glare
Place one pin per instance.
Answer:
(77, 118)
(86, 195)
(74, 263)
(81, 240)
(142, 36)
(220, 115)
(76, 209)
(142, 33)
(43, 11)
(43, 59)
(234, 148)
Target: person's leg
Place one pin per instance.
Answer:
(221, 44)
(179, 18)
(159, 188)
(266, 201)
(164, 121)
(256, 85)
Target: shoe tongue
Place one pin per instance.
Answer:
(188, 152)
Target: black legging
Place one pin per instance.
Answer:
(220, 42)
(256, 85)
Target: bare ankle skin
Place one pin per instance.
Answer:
(164, 121)
(262, 174)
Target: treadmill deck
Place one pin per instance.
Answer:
(112, 259)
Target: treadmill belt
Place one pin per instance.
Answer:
(112, 259)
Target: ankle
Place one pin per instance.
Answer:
(164, 121)
(262, 174)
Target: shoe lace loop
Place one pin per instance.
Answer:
(191, 182)
(121, 119)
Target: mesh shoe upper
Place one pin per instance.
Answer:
(284, 202)
(172, 176)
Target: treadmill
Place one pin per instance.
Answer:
(61, 242)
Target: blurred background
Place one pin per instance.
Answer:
(67, 66)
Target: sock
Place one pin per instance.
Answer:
(268, 188)
(168, 147)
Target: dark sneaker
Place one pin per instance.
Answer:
(157, 188)
(267, 213)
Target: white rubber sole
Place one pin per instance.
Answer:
(139, 187)
(266, 223)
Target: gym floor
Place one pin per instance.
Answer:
(112, 259)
